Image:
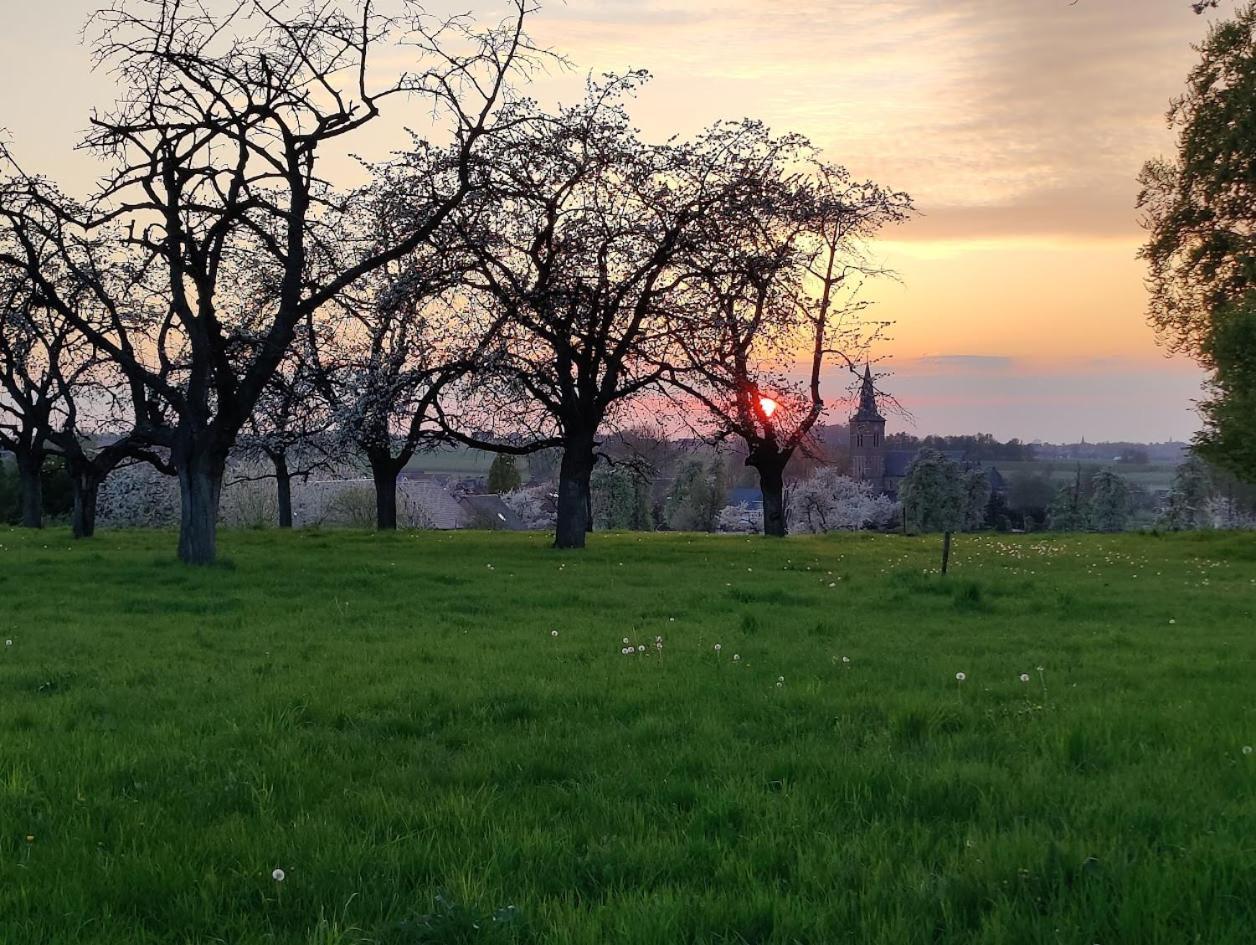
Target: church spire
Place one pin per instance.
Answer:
(868, 399)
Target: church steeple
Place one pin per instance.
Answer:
(867, 435)
(868, 399)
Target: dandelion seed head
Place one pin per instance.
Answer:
(961, 676)
(278, 875)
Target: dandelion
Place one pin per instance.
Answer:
(553, 633)
(736, 657)
(277, 875)
(8, 642)
(960, 677)
(1172, 621)
(641, 648)
(1024, 677)
(780, 679)
(30, 838)
(845, 659)
(718, 648)
(1247, 749)
(625, 641)
(624, 651)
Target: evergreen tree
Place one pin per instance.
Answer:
(503, 475)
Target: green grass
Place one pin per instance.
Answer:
(390, 721)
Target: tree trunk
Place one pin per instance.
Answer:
(384, 472)
(772, 485)
(283, 480)
(28, 470)
(574, 493)
(86, 489)
(200, 486)
(946, 551)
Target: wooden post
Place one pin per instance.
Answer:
(946, 550)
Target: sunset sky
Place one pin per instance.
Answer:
(1017, 125)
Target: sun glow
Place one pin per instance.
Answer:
(768, 405)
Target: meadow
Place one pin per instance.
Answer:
(441, 738)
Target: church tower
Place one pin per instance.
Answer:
(867, 435)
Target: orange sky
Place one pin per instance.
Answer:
(1017, 125)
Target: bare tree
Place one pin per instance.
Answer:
(580, 247)
(290, 429)
(386, 352)
(34, 348)
(214, 156)
(777, 303)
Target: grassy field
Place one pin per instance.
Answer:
(1156, 477)
(438, 739)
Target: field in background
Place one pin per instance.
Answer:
(439, 739)
(457, 461)
(1156, 477)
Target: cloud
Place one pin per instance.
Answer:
(963, 362)
(1029, 117)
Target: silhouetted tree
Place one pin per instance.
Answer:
(1200, 213)
(213, 169)
(782, 273)
(581, 247)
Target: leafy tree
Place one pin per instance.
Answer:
(1229, 435)
(1189, 498)
(827, 501)
(696, 499)
(1069, 511)
(977, 491)
(1111, 502)
(937, 497)
(621, 499)
(1200, 209)
(1200, 213)
(1028, 497)
(503, 474)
